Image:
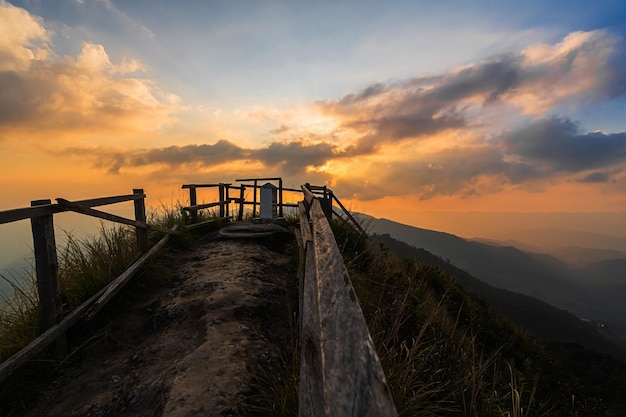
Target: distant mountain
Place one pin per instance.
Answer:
(581, 257)
(536, 317)
(537, 275)
(552, 238)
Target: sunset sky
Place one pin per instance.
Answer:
(401, 107)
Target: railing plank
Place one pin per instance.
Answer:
(80, 208)
(14, 362)
(201, 206)
(358, 226)
(201, 185)
(311, 396)
(8, 216)
(353, 380)
(305, 227)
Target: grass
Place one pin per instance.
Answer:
(18, 315)
(443, 351)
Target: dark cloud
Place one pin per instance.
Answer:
(400, 126)
(291, 158)
(21, 98)
(295, 156)
(221, 151)
(595, 177)
(491, 79)
(559, 143)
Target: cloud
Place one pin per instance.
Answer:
(536, 154)
(462, 171)
(562, 147)
(459, 124)
(595, 177)
(22, 38)
(295, 156)
(580, 68)
(84, 95)
(291, 158)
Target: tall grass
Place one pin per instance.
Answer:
(444, 353)
(18, 314)
(86, 265)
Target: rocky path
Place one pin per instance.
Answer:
(190, 348)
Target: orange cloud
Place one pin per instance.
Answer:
(88, 96)
(23, 38)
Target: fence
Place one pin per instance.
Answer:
(225, 199)
(340, 373)
(41, 215)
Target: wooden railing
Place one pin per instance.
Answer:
(224, 198)
(223, 202)
(340, 373)
(41, 215)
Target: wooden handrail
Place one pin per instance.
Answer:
(12, 215)
(85, 311)
(204, 185)
(83, 209)
(340, 372)
(41, 215)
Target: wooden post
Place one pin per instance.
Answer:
(227, 199)
(241, 198)
(221, 199)
(254, 201)
(280, 197)
(47, 267)
(193, 200)
(140, 216)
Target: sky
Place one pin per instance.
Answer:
(406, 109)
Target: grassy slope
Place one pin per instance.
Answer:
(446, 352)
(537, 317)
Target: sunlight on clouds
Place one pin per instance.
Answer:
(23, 39)
(88, 97)
(573, 69)
(299, 120)
(461, 138)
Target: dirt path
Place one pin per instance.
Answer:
(190, 348)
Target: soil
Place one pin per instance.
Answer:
(191, 347)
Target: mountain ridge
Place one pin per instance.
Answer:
(537, 275)
(532, 315)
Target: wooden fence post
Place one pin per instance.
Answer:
(241, 198)
(227, 199)
(254, 200)
(280, 197)
(193, 200)
(47, 267)
(221, 198)
(140, 216)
